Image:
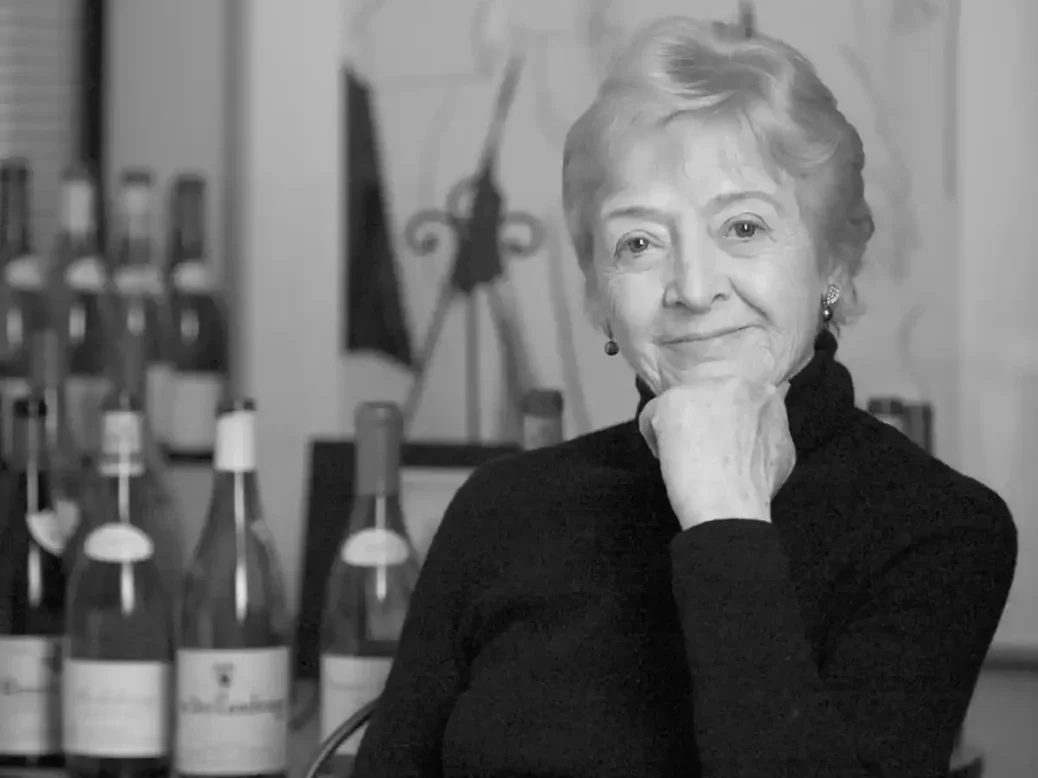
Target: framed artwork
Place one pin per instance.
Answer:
(431, 473)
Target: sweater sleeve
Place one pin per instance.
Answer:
(403, 738)
(892, 687)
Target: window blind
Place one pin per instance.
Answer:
(39, 97)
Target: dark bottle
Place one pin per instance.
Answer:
(86, 319)
(371, 582)
(117, 684)
(200, 344)
(232, 662)
(24, 287)
(32, 603)
(64, 462)
(542, 418)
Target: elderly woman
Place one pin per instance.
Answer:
(752, 577)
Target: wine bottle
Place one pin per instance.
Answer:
(32, 604)
(371, 582)
(116, 690)
(140, 285)
(233, 655)
(87, 322)
(130, 376)
(24, 284)
(199, 323)
(542, 418)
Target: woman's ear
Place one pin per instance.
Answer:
(837, 275)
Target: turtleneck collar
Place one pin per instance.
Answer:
(819, 397)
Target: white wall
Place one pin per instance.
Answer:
(998, 365)
(166, 97)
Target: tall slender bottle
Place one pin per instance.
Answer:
(86, 317)
(116, 691)
(24, 282)
(542, 418)
(233, 655)
(199, 324)
(371, 582)
(32, 604)
(140, 285)
(129, 378)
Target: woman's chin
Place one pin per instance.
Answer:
(715, 369)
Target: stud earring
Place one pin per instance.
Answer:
(829, 299)
(612, 348)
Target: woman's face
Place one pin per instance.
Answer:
(704, 264)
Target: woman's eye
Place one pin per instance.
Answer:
(634, 245)
(743, 229)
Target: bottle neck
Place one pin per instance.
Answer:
(378, 512)
(376, 502)
(48, 379)
(129, 372)
(235, 484)
(122, 446)
(187, 234)
(377, 470)
(78, 219)
(81, 246)
(15, 237)
(30, 446)
(134, 251)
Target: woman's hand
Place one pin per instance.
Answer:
(724, 447)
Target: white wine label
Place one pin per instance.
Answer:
(118, 542)
(116, 709)
(375, 548)
(159, 379)
(348, 683)
(236, 442)
(194, 277)
(52, 529)
(86, 274)
(122, 441)
(30, 695)
(25, 273)
(232, 711)
(195, 398)
(139, 281)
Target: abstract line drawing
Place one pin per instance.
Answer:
(893, 178)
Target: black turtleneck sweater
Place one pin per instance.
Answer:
(565, 625)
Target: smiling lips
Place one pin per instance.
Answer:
(701, 337)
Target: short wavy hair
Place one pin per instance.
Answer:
(681, 66)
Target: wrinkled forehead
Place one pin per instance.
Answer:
(697, 160)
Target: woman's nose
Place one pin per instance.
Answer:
(698, 280)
